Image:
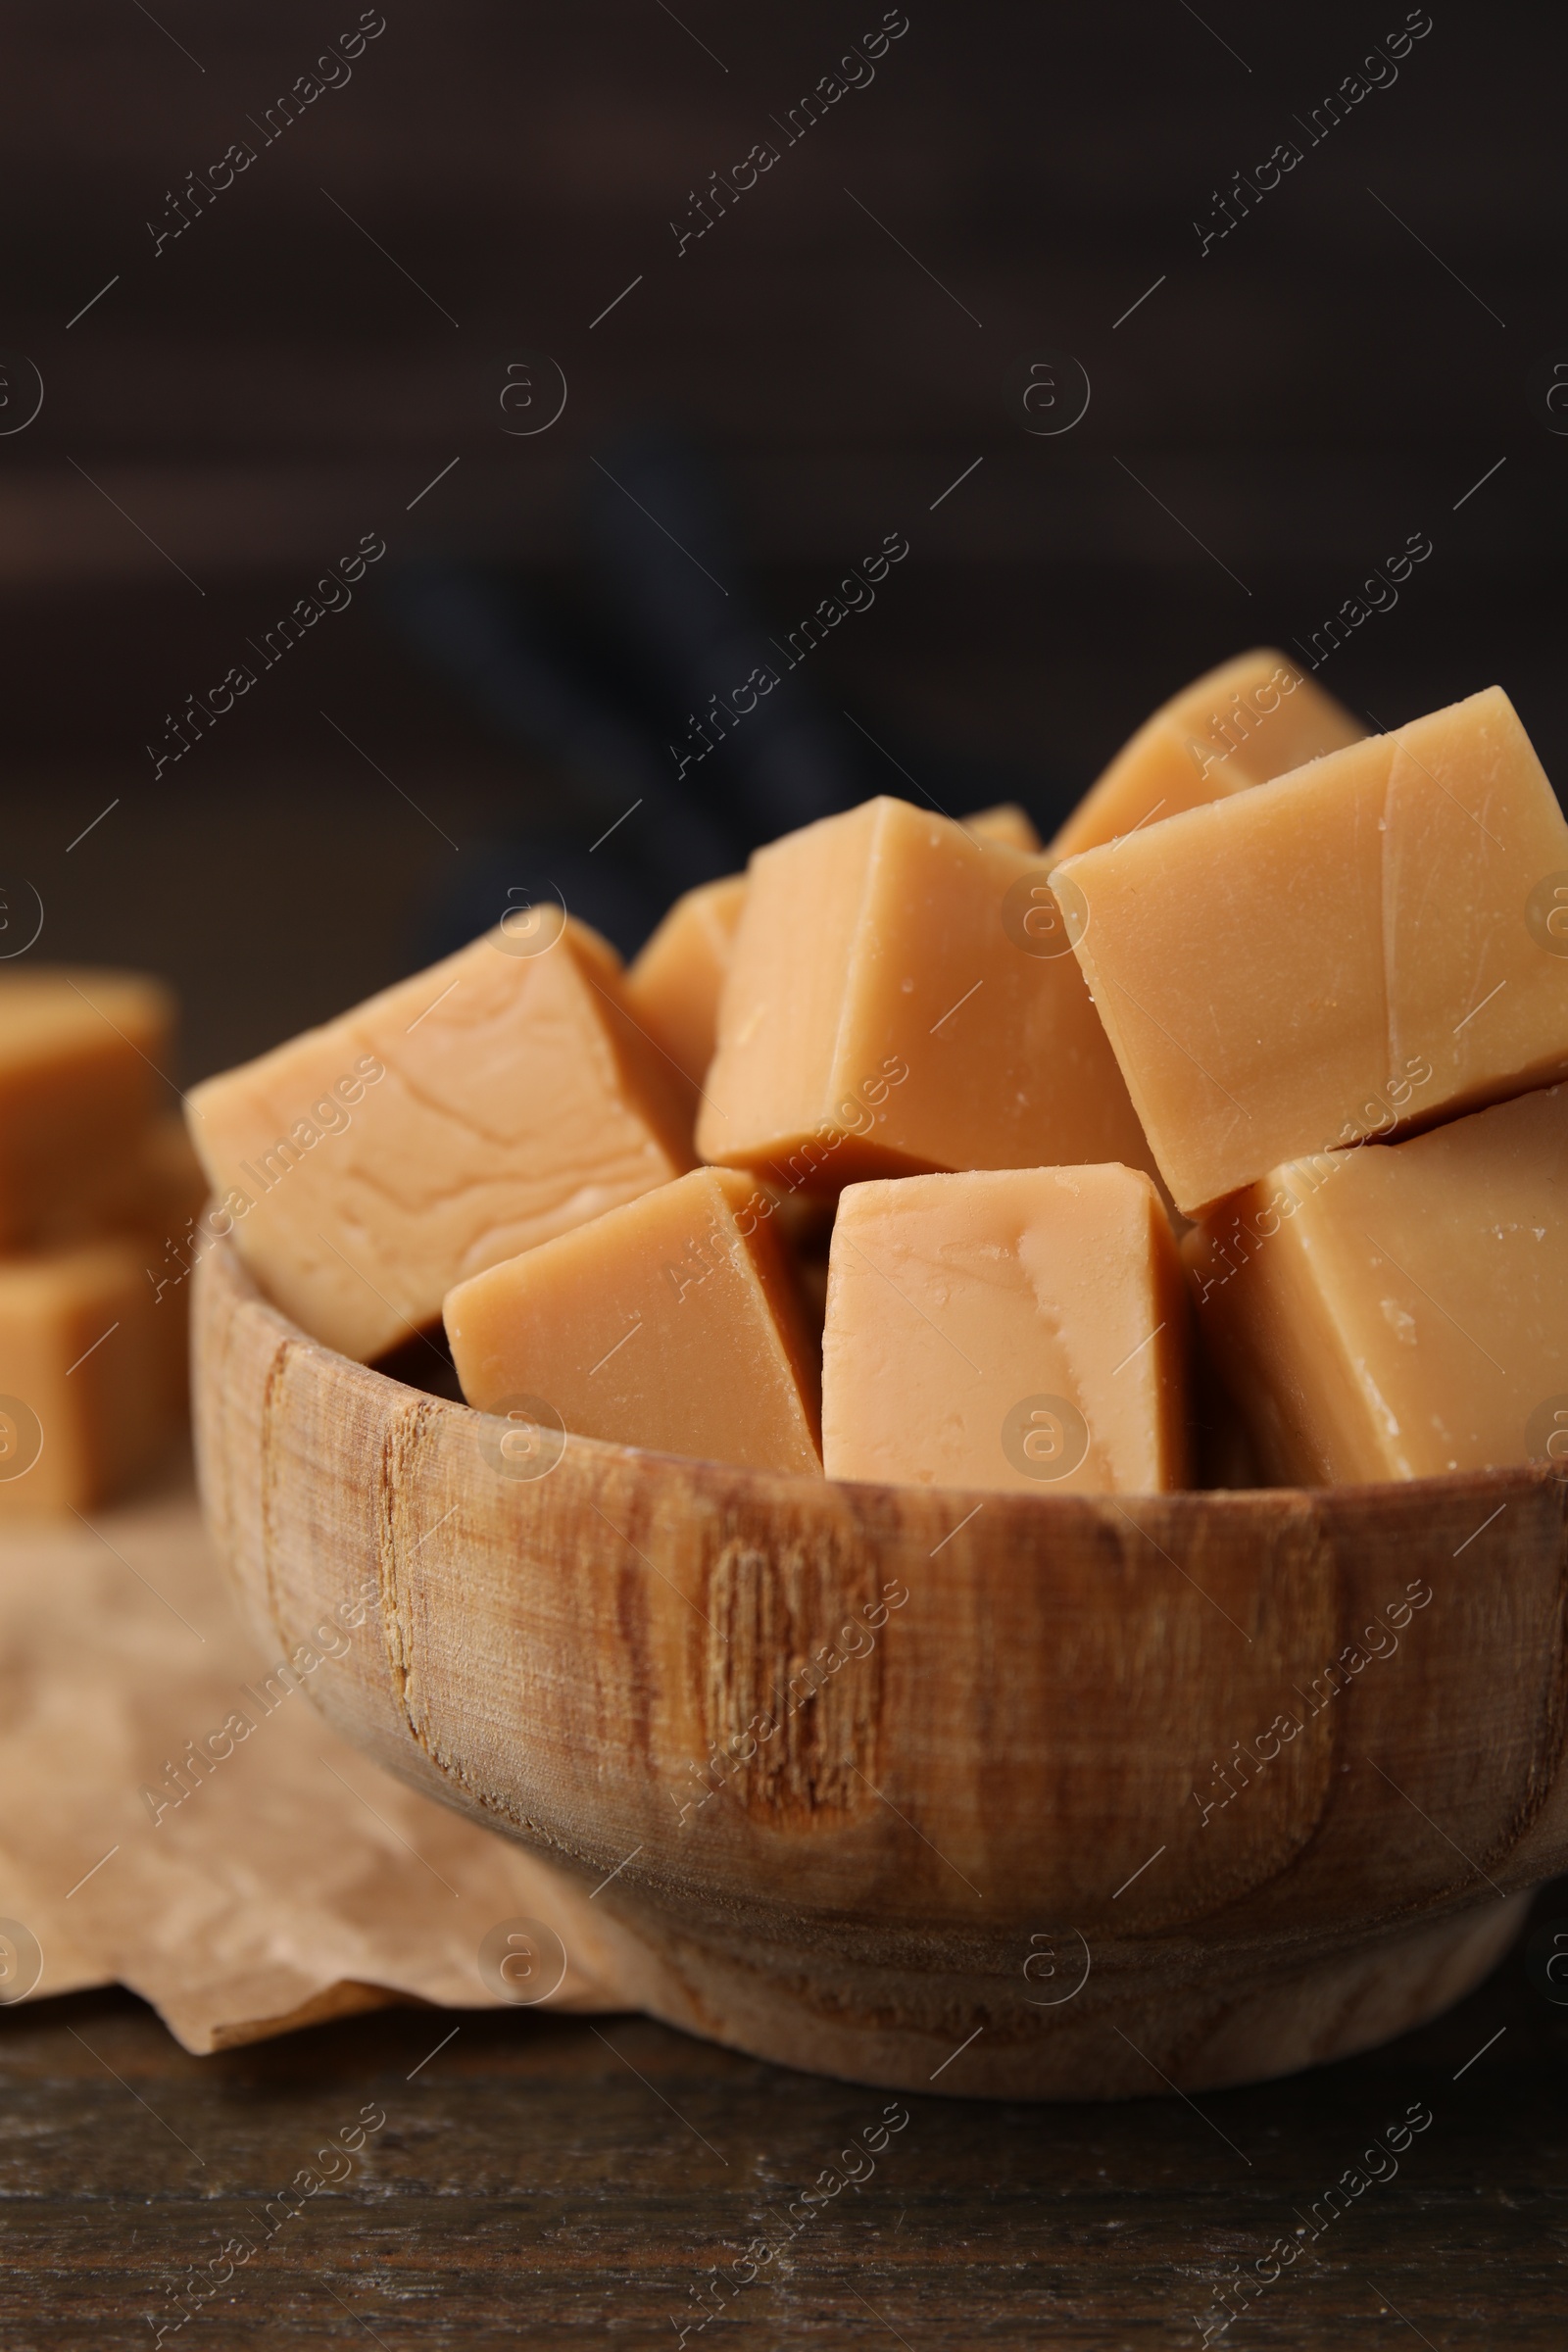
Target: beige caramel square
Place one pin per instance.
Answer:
(902, 998)
(1251, 719)
(83, 1059)
(91, 1375)
(1008, 823)
(671, 1323)
(501, 1098)
(1377, 940)
(1399, 1309)
(1022, 1329)
(673, 984)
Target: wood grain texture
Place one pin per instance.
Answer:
(556, 2183)
(980, 1859)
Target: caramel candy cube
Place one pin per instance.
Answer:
(165, 1183)
(1008, 823)
(1255, 717)
(901, 997)
(91, 1375)
(81, 1053)
(1399, 1309)
(154, 1194)
(671, 1323)
(1364, 945)
(1022, 1328)
(672, 983)
(484, 1105)
(675, 982)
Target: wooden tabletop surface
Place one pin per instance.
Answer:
(1275, 417)
(554, 2181)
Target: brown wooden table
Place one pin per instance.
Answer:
(554, 2181)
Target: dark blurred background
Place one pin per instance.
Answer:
(322, 354)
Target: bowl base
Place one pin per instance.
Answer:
(1136, 2021)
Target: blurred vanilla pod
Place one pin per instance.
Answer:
(669, 561)
(668, 771)
(627, 841)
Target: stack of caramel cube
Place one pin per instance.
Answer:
(98, 1187)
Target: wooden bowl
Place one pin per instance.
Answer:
(910, 1786)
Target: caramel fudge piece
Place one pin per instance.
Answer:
(488, 1104)
(1255, 717)
(81, 1052)
(91, 1375)
(671, 1323)
(1364, 944)
(901, 997)
(1008, 823)
(672, 985)
(673, 982)
(154, 1194)
(164, 1181)
(1397, 1309)
(152, 1200)
(1022, 1328)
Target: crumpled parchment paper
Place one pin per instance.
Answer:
(295, 1881)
